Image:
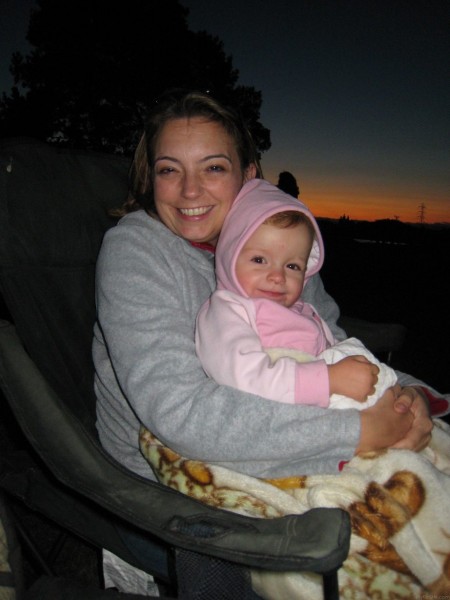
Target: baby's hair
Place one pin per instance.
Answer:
(290, 218)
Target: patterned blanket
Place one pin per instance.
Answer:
(399, 504)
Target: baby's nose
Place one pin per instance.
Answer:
(276, 274)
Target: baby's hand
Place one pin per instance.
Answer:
(353, 376)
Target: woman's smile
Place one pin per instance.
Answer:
(195, 212)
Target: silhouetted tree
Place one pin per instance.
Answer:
(96, 66)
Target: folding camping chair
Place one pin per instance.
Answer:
(53, 214)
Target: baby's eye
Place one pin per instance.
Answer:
(258, 259)
(294, 267)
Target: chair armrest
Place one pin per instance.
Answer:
(316, 541)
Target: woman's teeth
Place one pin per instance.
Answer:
(194, 212)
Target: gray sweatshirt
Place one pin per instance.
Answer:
(150, 286)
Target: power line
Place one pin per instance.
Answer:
(421, 215)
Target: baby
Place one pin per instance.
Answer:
(256, 333)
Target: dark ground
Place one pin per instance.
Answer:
(407, 282)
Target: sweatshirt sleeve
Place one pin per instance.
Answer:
(148, 369)
(231, 353)
(315, 293)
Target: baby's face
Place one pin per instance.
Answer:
(272, 263)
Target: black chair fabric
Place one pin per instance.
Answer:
(53, 216)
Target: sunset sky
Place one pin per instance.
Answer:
(356, 94)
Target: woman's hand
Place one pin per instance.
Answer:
(410, 400)
(400, 419)
(382, 426)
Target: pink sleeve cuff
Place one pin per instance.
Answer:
(312, 384)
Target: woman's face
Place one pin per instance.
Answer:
(197, 176)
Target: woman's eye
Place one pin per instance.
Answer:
(216, 168)
(165, 170)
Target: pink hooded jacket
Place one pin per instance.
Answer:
(234, 331)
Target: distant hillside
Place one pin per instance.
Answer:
(386, 230)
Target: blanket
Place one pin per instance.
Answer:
(398, 501)
(348, 347)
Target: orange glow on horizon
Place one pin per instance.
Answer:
(366, 204)
(371, 208)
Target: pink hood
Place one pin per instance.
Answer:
(257, 200)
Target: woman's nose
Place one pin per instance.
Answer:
(191, 185)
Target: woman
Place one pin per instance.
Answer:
(155, 269)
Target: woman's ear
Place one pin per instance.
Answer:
(250, 172)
